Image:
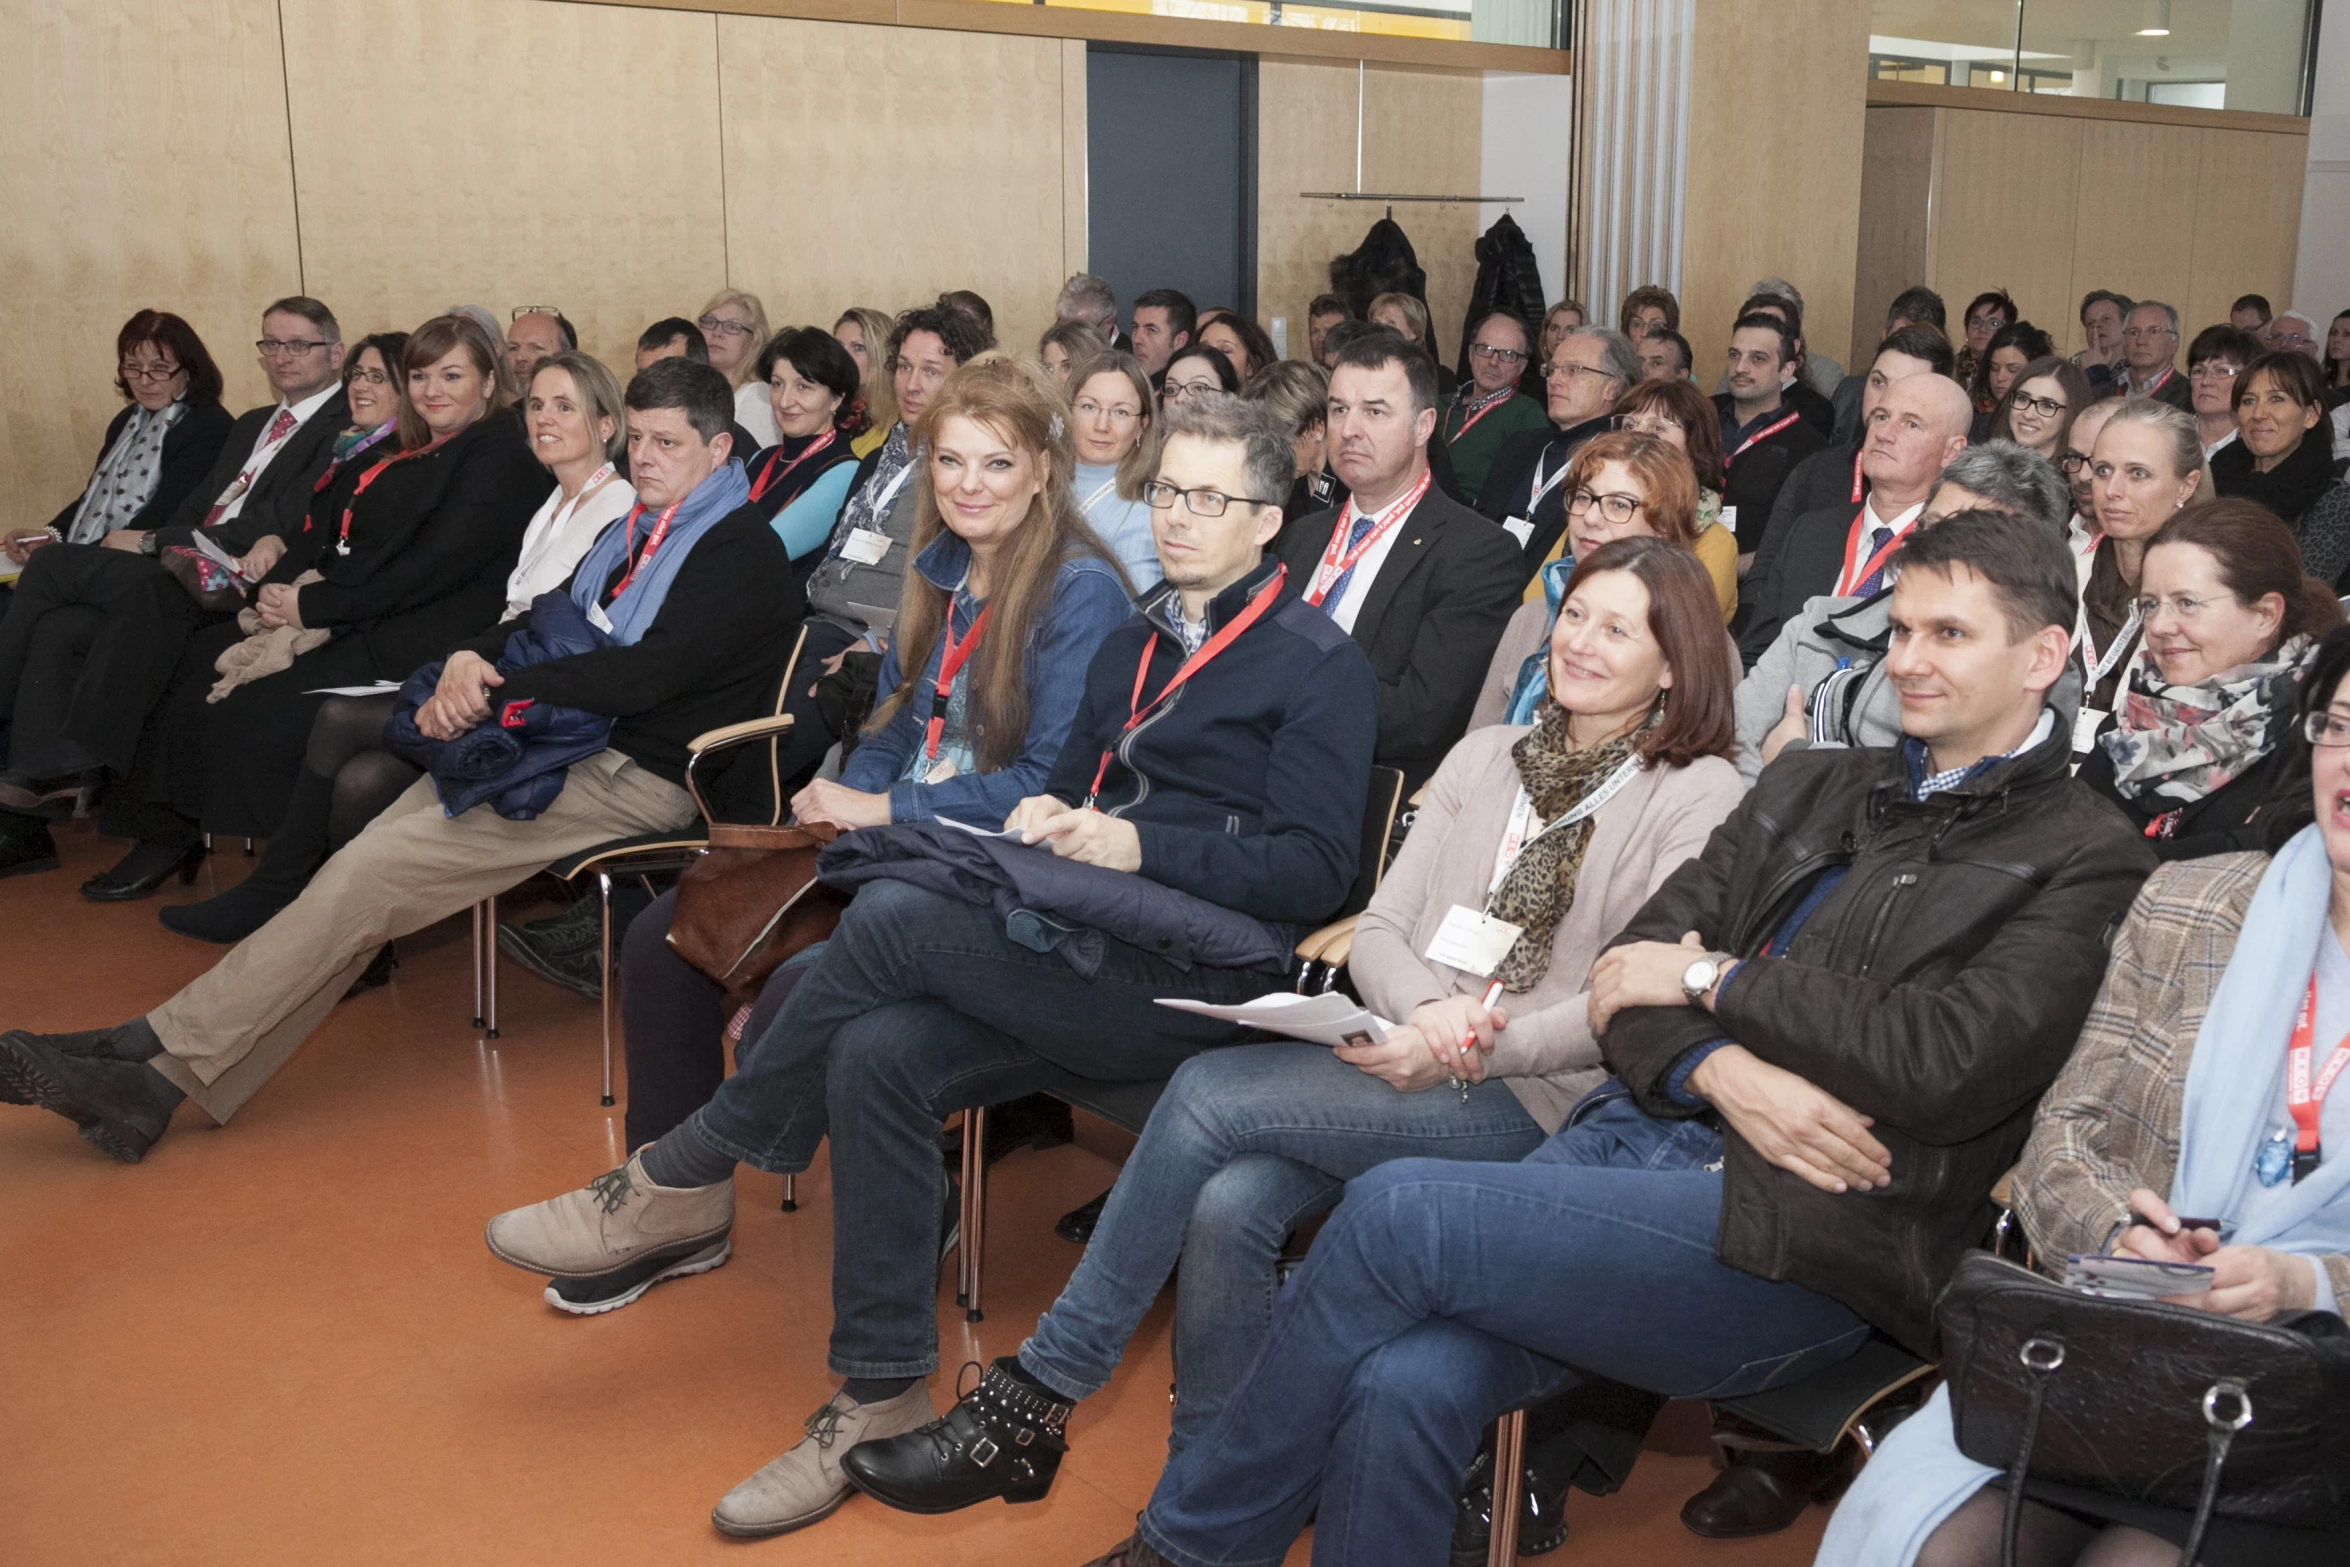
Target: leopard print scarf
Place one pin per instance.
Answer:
(1536, 893)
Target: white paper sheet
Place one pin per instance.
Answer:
(1330, 1019)
(378, 689)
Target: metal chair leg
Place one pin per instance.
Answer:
(971, 1249)
(489, 960)
(791, 1203)
(1509, 1474)
(477, 935)
(604, 895)
(248, 848)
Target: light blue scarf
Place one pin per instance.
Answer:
(710, 503)
(1533, 683)
(1919, 1477)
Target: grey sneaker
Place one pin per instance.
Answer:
(566, 949)
(806, 1485)
(618, 1218)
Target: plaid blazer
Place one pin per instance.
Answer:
(2110, 1121)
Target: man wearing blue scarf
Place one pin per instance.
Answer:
(696, 594)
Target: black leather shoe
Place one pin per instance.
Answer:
(1003, 1438)
(141, 871)
(1542, 1521)
(1078, 1224)
(121, 1107)
(25, 846)
(1763, 1492)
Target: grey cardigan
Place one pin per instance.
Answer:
(1547, 1052)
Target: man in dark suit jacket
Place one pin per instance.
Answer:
(1589, 369)
(1422, 584)
(1763, 435)
(2150, 351)
(1831, 476)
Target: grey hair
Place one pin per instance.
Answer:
(485, 318)
(1619, 358)
(2185, 439)
(2170, 312)
(1087, 298)
(322, 318)
(1268, 455)
(1779, 286)
(2012, 479)
(2302, 316)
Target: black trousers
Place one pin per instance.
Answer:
(673, 1018)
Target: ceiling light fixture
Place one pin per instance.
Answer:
(2157, 24)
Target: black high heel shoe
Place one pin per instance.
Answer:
(141, 871)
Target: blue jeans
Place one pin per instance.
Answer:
(1442, 1294)
(1245, 1143)
(918, 1006)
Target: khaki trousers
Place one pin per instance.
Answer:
(228, 1032)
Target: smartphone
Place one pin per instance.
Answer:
(2135, 1278)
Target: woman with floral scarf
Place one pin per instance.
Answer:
(2198, 734)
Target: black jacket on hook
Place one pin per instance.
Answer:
(1507, 279)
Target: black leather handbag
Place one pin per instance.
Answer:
(2164, 1406)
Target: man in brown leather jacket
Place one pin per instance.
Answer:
(1828, 1030)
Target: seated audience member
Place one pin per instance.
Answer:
(1920, 423)
(1474, 421)
(1424, 586)
(155, 450)
(2103, 315)
(2250, 315)
(1558, 321)
(1826, 682)
(1796, 378)
(577, 428)
(734, 328)
(2200, 730)
(1018, 554)
(974, 305)
(1625, 485)
(853, 592)
(2150, 348)
(90, 633)
(2335, 361)
(1628, 764)
(1340, 334)
(2040, 406)
(1812, 1102)
(1985, 314)
(2293, 333)
(1588, 369)
(1087, 300)
(1066, 345)
(2146, 465)
(874, 1047)
(1913, 307)
(1197, 371)
(1406, 315)
(1763, 436)
(1664, 356)
(1238, 339)
(864, 332)
(2215, 359)
(700, 644)
(1296, 392)
(671, 337)
(1648, 310)
(2283, 459)
(2078, 467)
(2171, 1105)
(1833, 473)
(1165, 322)
(1326, 311)
(420, 553)
(536, 334)
(1679, 415)
(2013, 346)
(798, 483)
(1110, 431)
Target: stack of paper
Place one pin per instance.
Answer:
(1323, 1020)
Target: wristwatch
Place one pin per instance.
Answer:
(1699, 977)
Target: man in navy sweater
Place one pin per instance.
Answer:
(1222, 750)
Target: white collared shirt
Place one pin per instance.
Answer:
(265, 450)
(1900, 522)
(1350, 604)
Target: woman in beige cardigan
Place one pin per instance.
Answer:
(1627, 771)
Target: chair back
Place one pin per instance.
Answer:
(1379, 808)
(778, 806)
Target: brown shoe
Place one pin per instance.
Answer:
(1133, 1551)
(806, 1483)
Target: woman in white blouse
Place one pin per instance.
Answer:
(578, 429)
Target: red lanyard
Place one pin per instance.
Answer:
(1334, 565)
(652, 541)
(1765, 434)
(769, 476)
(950, 664)
(2160, 382)
(343, 538)
(1856, 478)
(2304, 1099)
(1137, 710)
(1470, 423)
(1853, 578)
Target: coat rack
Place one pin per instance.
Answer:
(1359, 194)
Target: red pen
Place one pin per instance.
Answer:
(1460, 1051)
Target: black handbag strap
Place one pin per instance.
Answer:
(2223, 1434)
(2040, 1356)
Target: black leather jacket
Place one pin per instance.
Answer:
(1938, 989)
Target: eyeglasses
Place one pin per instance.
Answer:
(2326, 729)
(2073, 462)
(2283, 341)
(1117, 413)
(156, 373)
(1615, 507)
(1562, 372)
(540, 310)
(2046, 407)
(1494, 354)
(287, 348)
(2213, 370)
(371, 377)
(1659, 425)
(1179, 390)
(724, 326)
(2184, 605)
(2150, 331)
(1159, 496)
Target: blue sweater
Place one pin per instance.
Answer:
(1087, 604)
(1247, 785)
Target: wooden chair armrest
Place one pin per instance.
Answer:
(2003, 1189)
(1419, 797)
(1330, 944)
(736, 734)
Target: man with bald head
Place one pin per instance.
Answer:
(1919, 424)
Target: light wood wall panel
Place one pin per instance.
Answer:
(880, 166)
(2247, 231)
(143, 156)
(1422, 134)
(1897, 173)
(2135, 222)
(504, 153)
(1980, 229)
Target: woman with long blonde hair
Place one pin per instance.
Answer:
(734, 326)
(864, 332)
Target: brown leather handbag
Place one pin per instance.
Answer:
(751, 901)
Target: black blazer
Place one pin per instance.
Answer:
(1509, 484)
(2222, 822)
(280, 496)
(1757, 474)
(189, 448)
(1804, 565)
(1430, 620)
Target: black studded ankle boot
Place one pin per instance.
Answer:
(1003, 1438)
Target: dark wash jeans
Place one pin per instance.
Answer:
(1441, 1294)
(918, 1006)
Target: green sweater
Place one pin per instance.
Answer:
(1473, 453)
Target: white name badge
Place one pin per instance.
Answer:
(1519, 528)
(941, 770)
(1473, 941)
(598, 619)
(2086, 723)
(865, 546)
(1730, 519)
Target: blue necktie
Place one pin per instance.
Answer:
(1878, 539)
(1354, 536)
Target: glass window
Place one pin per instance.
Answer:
(1541, 24)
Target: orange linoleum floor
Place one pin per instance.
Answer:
(283, 1341)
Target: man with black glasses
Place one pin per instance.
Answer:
(1589, 369)
(1478, 417)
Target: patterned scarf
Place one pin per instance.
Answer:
(1539, 888)
(2186, 742)
(127, 475)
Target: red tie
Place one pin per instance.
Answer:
(279, 428)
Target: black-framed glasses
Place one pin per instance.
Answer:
(1563, 372)
(1160, 495)
(1615, 506)
(1177, 391)
(2072, 462)
(288, 347)
(371, 377)
(725, 326)
(2326, 729)
(1495, 354)
(156, 373)
(2046, 407)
